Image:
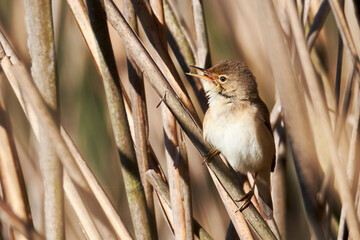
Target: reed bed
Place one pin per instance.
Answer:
(100, 128)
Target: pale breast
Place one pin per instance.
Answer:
(243, 139)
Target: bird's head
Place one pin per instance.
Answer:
(230, 79)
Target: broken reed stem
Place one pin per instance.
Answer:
(139, 118)
(182, 115)
(41, 46)
(97, 37)
(319, 103)
(12, 180)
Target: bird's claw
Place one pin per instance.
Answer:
(247, 200)
(212, 153)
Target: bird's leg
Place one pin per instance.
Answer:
(247, 196)
(212, 153)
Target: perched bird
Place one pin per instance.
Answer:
(237, 124)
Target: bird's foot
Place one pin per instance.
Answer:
(212, 153)
(246, 198)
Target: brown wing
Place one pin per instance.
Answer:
(266, 119)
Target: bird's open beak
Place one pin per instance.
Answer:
(203, 76)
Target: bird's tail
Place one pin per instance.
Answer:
(263, 193)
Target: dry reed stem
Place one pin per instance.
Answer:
(171, 139)
(305, 12)
(352, 164)
(235, 215)
(12, 180)
(278, 178)
(79, 162)
(33, 99)
(139, 117)
(294, 109)
(63, 152)
(185, 186)
(183, 50)
(345, 33)
(323, 115)
(97, 38)
(97, 189)
(202, 43)
(161, 55)
(173, 162)
(339, 67)
(88, 225)
(38, 18)
(342, 111)
(338, 73)
(180, 36)
(193, 131)
(318, 23)
(162, 189)
(9, 217)
(28, 108)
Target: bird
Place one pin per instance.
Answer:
(237, 125)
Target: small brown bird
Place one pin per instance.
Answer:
(237, 124)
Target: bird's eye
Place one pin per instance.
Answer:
(222, 79)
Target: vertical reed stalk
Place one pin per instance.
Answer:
(140, 120)
(106, 63)
(42, 51)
